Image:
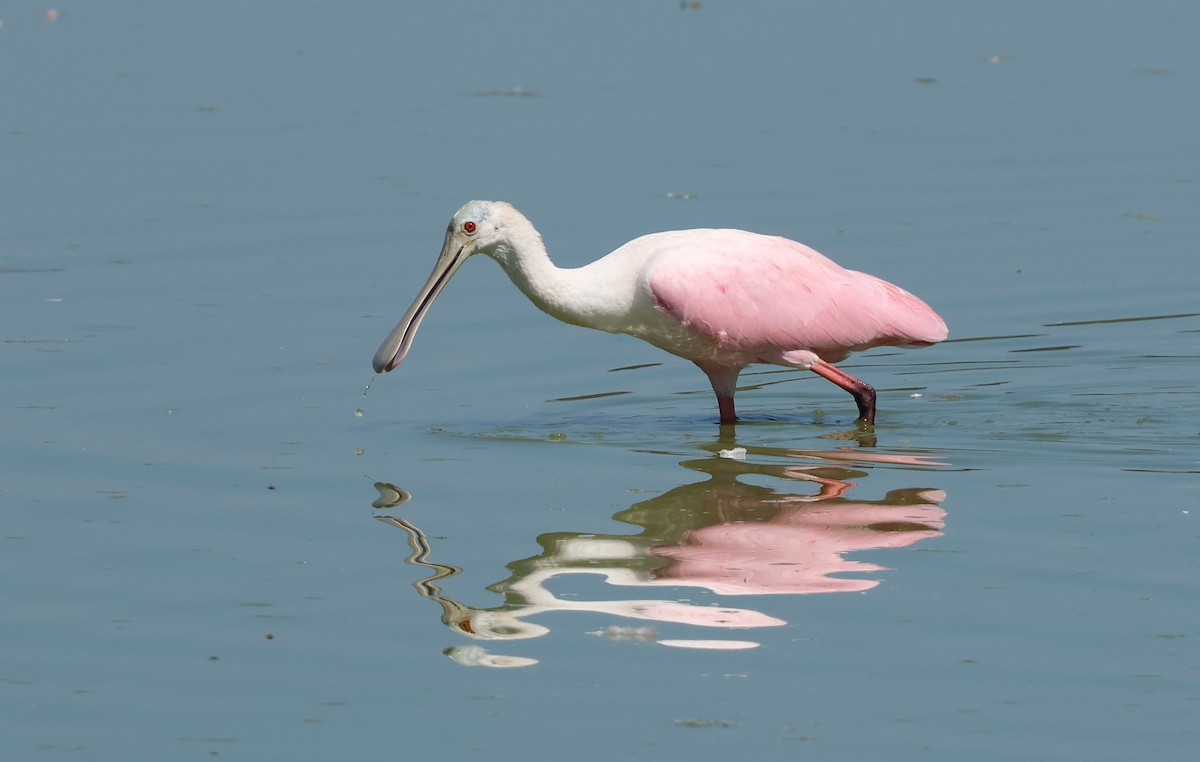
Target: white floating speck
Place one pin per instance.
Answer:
(737, 453)
(915, 396)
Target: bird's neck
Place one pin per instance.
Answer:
(575, 296)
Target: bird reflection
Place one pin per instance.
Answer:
(721, 534)
(735, 538)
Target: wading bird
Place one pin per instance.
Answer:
(723, 299)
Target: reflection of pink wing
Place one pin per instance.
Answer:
(710, 645)
(704, 616)
(798, 552)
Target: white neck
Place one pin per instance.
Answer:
(581, 296)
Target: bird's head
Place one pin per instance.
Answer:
(475, 227)
(494, 228)
(479, 227)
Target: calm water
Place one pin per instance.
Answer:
(214, 213)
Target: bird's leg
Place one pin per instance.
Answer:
(724, 384)
(863, 393)
(725, 405)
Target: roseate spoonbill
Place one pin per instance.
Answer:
(723, 299)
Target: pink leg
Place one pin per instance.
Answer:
(724, 383)
(864, 393)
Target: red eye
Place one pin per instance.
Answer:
(469, 227)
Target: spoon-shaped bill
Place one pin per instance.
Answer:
(396, 345)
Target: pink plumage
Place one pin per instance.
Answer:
(723, 299)
(764, 295)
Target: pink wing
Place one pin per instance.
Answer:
(749, 292)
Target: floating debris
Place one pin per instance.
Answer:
(736, 453)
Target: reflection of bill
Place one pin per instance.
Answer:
(721, 534)
(528, 592)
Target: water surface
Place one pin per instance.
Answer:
(216, 212)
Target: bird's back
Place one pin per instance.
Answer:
(754, 293)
